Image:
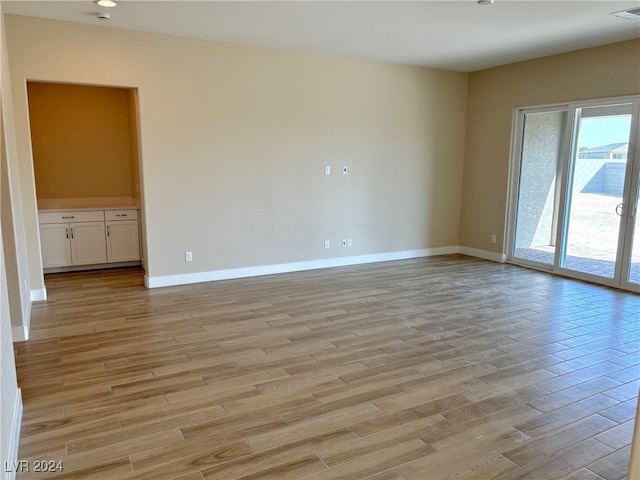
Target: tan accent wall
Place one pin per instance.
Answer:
(612, 70)
(234, 141)
(134, 143)
(81, 140)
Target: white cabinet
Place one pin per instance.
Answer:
(56, 245)
(95, 237)
(72, 238)
(88, 245)
(123, 239)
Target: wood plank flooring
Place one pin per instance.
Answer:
(446, 367)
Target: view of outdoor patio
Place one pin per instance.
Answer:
(593, 241)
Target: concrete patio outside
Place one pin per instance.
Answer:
(592, 240)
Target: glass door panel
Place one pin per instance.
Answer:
(539, 186)
(596, 186)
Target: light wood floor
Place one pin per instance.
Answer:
(447, 367)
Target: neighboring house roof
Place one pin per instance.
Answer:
(611, 147)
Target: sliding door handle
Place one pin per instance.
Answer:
(620, 209)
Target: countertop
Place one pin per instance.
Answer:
(79, 204)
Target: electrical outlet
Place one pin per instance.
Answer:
(493, 239)
(344, 242)
(349, 242)
(327, 244)
(188, 256)
(327, 170)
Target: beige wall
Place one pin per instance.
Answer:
(9, 392)
(10, 399)
(234, 141)
(601, 72)
(81, 140)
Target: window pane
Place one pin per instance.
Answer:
(597, 185)
(539, 187)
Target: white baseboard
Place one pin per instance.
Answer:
(188, 278)
(39, 295)
(474, 252)
(14, 441)
(20, 334)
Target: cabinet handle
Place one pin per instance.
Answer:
(107, 230)
(121, 214)
(72, 232)
(67, 232)
(69, 216)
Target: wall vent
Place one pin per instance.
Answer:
(629, 14)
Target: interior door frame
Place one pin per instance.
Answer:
(567, 152)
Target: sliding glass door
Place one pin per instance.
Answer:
(575, 191)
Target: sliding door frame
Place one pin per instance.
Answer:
(632, 189)
(567, 154)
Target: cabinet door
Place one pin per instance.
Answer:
(88, 244)
(123, 244)
(54, 241)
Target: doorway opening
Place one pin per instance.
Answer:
(86, 160)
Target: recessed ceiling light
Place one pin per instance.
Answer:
(106, 3)
(485, 2)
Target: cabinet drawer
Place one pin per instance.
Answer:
(130, 214)
(71, 216)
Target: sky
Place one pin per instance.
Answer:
(596, 132)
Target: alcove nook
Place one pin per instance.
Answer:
(86, 167)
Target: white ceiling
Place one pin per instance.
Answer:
(446, 34)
